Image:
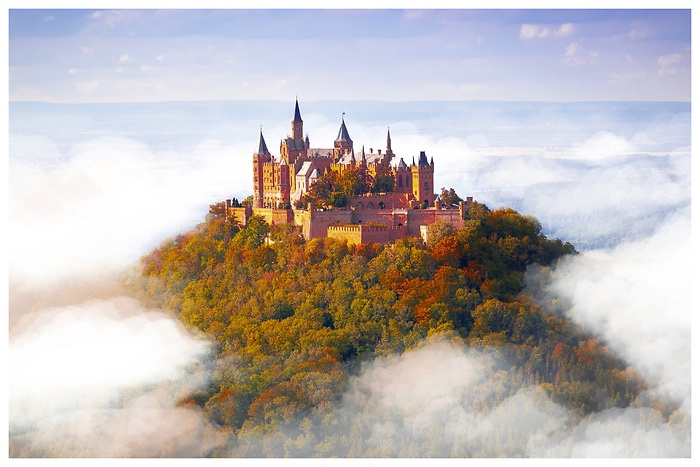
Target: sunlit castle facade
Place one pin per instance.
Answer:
(279, 183)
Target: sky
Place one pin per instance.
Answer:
(144, 55)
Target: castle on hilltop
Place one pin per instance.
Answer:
(406, 207)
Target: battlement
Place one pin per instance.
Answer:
(359, 233)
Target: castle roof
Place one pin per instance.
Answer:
(297, 114)
(423, 160)
(343, 135)
(262, 147)
(372, 158)
(295, 144)
(397, 163)
(319, 152)
(306, 169)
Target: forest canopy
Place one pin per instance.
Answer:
(293, 320)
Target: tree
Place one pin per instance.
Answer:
(383, 181)
(449, 197)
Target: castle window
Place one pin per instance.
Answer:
(400, 181)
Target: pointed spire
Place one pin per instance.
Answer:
(388, 141)
(343, 135)
(262, 147)
(352, 156)
(431, 161)
(364, 159)
(297, 114)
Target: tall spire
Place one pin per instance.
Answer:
(364, 159)
(262, 147)
(297, 123)
(297, 114)
(388, 142)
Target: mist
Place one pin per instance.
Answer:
(93, 188)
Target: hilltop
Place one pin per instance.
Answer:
(293, 320)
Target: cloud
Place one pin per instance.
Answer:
(105, 378)
(575, 55)
(445, 400)
(112, 19)
(107, 204)
(125, 58)
(636, 298)
(668, 64)
(87, 87)
(538, 31)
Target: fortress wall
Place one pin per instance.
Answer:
(239, 215)
(358, 234)
(418, 217)
(378, 216)
(321, 220)
(352, 235)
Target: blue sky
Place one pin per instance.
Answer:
(74, 55)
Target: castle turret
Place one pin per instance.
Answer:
(422, 179)
(342, 143)
(297, 123)
(261, 159)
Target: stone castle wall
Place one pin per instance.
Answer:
(358, 225)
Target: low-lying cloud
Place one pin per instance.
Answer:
(445, 400)
(636, 298)
(105, 378)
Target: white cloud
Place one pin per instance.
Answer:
(626, 77)
(444, 400)
(667, 64)
(576, 55)
(108, 203)
(125, 58)
(636, 298)
(82, 383)
(87, 87)
(538, 31)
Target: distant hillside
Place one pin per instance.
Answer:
(293, 320)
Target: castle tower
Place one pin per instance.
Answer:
(261, 158)
(297, 123)
(402, 177)
(422, 179)
(342, 143)
(284, 184)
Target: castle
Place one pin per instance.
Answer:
(406, 208)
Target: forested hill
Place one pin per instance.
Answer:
(294, 319)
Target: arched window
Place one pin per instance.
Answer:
(382, 205)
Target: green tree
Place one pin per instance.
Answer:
(449, 197)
